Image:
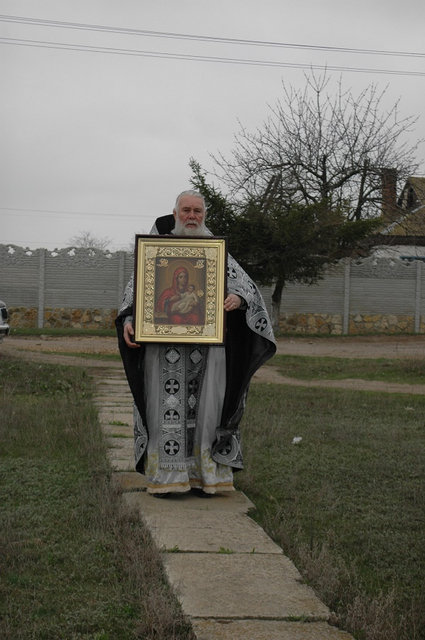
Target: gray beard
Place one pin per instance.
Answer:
(181, 230)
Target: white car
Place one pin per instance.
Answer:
(4, 317)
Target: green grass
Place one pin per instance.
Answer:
(74, 562)
(347, 503)
(408, 371)
(61, 331)
(294, 335)
(89, 355)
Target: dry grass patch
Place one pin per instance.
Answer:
(75, 563)
(407, 371)
(347, 502)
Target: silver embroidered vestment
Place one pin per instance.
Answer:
(182, 441)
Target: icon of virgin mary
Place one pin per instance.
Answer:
(179, 301)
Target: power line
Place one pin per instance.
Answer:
(24, 243)
(201, 38)
(16, 210)
(45, 244)
(197, 58)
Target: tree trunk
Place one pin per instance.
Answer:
(276, 298)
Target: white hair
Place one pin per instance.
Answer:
(190, 192)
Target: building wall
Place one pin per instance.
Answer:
(84, 288)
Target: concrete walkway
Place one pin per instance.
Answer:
(232, 580)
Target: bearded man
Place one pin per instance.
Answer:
(189, 398)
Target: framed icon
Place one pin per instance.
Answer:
(180, 286)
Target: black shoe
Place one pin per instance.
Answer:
(200, 493)
(161, 495)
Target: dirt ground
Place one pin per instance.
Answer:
(55, 349)
(49, 349)
(355, 347)
(348, 347)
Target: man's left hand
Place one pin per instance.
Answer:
(232, 302)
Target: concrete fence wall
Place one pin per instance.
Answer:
(68, 287)
(368, 295)
(83, 288)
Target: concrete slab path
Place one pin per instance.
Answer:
(232, 580)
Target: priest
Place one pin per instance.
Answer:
(189, 398)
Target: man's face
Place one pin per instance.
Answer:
(190, 216)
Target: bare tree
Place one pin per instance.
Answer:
(317, 147)
(277, 242)
(86, 240)
(308, 186)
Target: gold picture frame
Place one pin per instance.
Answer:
(180, 286)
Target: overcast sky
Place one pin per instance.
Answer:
(100, 141)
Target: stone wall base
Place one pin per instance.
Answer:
(27, 318)
(297, 323)
(332, 324)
